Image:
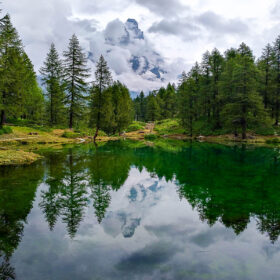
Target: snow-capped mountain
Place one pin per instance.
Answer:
(127, 50)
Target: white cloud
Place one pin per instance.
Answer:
(180, 30)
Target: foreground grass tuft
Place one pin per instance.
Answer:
(6, 130)
(14, 157)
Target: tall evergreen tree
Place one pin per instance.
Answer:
(216, 67)
(123, 109)
(136, 103)
(206, 85)
(276, 78)
(52, 73)
(265, 64)
(153, 108)
(142, 103)
(75, 75)
(101, 103)
(20, 95)
(169, 102)
(244, 105)
(188, 93)
(10, 58)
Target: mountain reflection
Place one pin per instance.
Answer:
(223, 184)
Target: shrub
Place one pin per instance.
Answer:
(273, 141)
(6, 130)
(70, 134)
(83, 132)
(135, 126)
(169, 126)
(263, 130)
(151, 137)
(42, 128)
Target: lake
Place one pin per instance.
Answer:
(125, 210)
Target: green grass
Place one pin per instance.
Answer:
(169, 127)
(6, 130)
(151, 137)
(136, 126)
(83, 132)
(14, 157)
(71, 135)
(272, 141)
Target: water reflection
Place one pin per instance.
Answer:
(227, 185)
(17, 192)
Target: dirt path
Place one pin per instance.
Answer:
(150, 126)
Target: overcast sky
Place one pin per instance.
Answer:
(179, 30)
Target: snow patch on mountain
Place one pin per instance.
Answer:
(131, 57)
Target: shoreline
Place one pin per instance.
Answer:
(22, 146)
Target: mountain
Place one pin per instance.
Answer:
(125, 47)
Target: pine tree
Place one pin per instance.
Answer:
(52, 73)
(206, 85)
(183, 78)
(227, 82)
(169, 102)
(153, 108)
(142, 103)
(32, 101)
(276, 79)
(10, 58)
(75, 75)
(136, 104)
(123, 109)
(101, 103)
(265, 64)
(244, 105)
(188, 92)
(216, 67)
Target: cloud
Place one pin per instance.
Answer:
(275, 11)
(190, 28)
(179, 27)
(163, 7)
(146, 259)
(178, 31)
(218, 24)
(115, 32)
(93, 7)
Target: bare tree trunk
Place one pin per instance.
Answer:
(3, 118)
(244, 128)
(96, 134)
(71, 119)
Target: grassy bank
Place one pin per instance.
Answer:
(19, 145)
(17, 157)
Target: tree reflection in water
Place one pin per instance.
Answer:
(17, 192)
(230, 185)
(225, 184)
